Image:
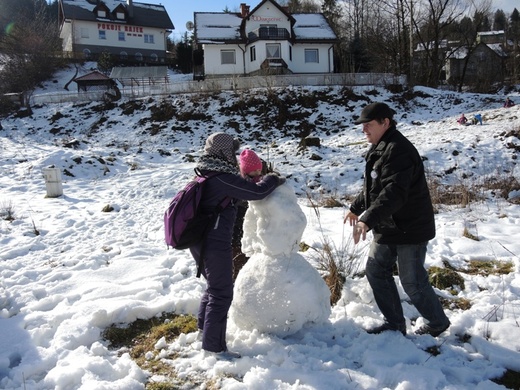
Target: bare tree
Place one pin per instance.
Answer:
(388, 36)
(432, 20)
(468, 31)
(31, 51)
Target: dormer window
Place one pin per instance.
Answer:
(101, 11)
(119, 13)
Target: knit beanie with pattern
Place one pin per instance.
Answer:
(223, 146)
(249, 162)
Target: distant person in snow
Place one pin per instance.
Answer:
(462, 120)
(477, 119)
(395, 205)
(251, 168)
(214, 254)
(508, 103)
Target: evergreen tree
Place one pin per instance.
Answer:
(514, 26)
(500, 21)
(332, 12)
(184, 51)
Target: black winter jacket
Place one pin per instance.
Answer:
(235, 187)
(395, 201)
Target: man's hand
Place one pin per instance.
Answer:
(359, 231)
(351, 217)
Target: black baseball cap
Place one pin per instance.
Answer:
(375, 111)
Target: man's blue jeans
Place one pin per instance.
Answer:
(414, 279)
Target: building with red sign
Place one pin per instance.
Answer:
(132, 32)
(265, 40)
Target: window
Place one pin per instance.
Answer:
(311, 55)
(290, 53)
(120, 15)
(138, 56)
(101, 14)
(154, 57)
(123, 55)
(148, 38)
(86, 53)
(252, 53)
(227, 57)
(273, 50)
(121, 35)
(84, 32)
(102, 34)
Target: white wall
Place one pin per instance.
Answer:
(325, 57)
(261, 54)
(268, 14)
(213, 63)
(66, 35)
(134, 35)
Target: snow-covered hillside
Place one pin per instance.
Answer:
(69, 270)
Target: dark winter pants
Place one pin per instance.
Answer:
(414, 279)
(216, 300)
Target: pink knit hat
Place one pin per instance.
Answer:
(249, 162)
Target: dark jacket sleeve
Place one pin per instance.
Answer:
(358, 205)
(235, 187)
(239, 188)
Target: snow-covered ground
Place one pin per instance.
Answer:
(69, 270)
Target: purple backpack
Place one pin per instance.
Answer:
(184, 225)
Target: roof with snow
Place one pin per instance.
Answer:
(312, 26)
(146, 15)
(496, 32)
(497, 48)
(92, 76)
(462, 52)
(223, 26)
(217, 26)
(459, 53)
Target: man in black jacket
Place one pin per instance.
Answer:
(395, 204)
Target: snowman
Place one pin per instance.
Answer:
(277, 291)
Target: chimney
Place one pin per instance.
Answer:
(244, 9)
(130, 8)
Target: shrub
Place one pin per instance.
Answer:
(445, 278)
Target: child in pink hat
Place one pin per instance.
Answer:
(250, 165)
(251, 169)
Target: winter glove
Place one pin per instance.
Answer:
(280, 179)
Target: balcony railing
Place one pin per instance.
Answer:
(270, 63)
(268, 33)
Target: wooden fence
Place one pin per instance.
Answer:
(229, 84)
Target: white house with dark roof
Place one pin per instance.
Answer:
(134, 32)
(265, 40)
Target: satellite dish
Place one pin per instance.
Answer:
(189, 26)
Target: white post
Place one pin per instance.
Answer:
(52, 178)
